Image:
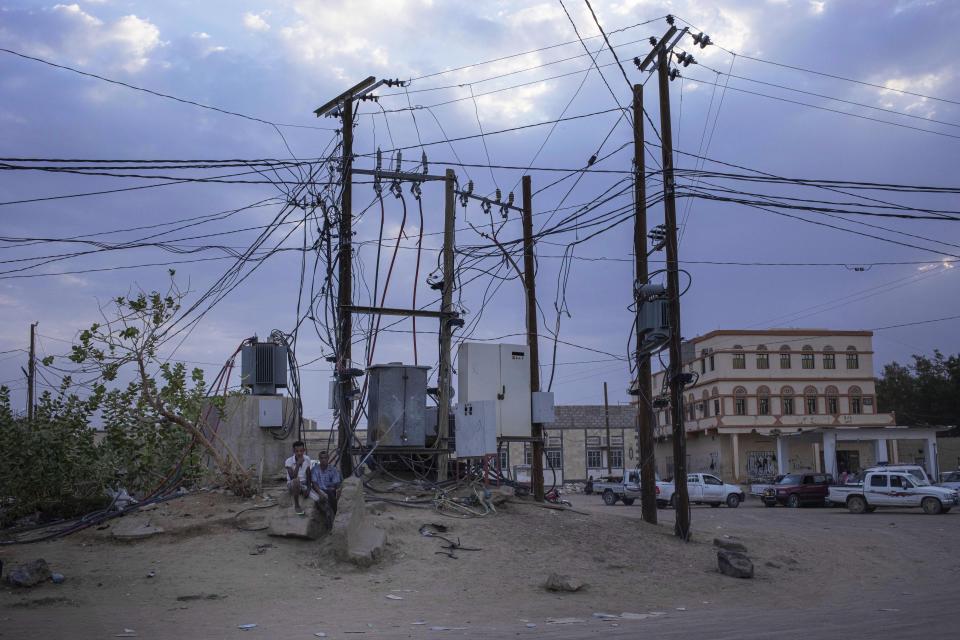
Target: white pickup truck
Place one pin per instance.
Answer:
(626, 490)
(704, 488)
(892, 488)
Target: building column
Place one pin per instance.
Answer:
(781, 456)
(830, 453)
(816, 458)
(895, 451)
(735, 443)
(881, 449)
(931, 456)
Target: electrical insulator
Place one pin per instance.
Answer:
(510, 198)
(674, 74)
(399, 161)
(423, 160)
(669, 19)
(498, 195)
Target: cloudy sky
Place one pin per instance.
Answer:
(278, 61)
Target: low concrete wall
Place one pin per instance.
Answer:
(237, 428)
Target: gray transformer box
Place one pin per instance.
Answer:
(263, 367)
(397, 405)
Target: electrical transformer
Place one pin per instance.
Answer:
(397, 405)
(263, 367)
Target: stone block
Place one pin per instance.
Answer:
(355, 538)
(29, 574)
(560, 582)
(287, 524)
(730, 545)
(734, 564)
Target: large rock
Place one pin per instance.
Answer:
(560, 582)
(355, 538)
(29, 574)
(734, 564)
(730, 545)
(287, 524)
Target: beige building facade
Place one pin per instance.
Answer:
(769, 402)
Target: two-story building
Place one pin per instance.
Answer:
(768, 402)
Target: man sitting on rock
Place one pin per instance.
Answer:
(298, 482)
(324, 482)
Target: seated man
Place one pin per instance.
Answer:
(324, 482)
(298, 482)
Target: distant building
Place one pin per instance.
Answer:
(768, 402)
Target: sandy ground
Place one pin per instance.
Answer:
(208, 578)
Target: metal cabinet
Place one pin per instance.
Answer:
(501, 373)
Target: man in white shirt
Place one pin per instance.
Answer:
(298, 468)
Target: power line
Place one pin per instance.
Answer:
(523, 53)
(830, 75)
(158, 93)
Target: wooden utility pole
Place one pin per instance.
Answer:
(645, 444)
(530, 285)
(32, 371)
(345, 294)
(444, 377)
(606, 419)
(682, 526)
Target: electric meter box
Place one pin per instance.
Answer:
(476, 429)
(498, 372)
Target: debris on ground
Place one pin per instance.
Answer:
(200, 596)
(730, 545)
(57, 578)
(391, 596)
(260, 549)
(29, 574)
(135, 531)
(564, 620)
(127, 633)
(247, 627)
(560, 582)
(734, 564)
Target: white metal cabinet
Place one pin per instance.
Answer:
(501, 373)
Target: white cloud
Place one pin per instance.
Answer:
(128, 42)
(817, 6)
(927, 83)
(255, 21)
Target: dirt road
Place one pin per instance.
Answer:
(819, 573)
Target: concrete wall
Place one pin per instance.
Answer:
(237, 429)
(948, 453)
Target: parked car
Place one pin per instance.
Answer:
(797, 489)
(951, 480)
(885, 488)
(704, 488)
(626, 489)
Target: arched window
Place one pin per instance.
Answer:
(691, 408)
(763, 401)
(739, 357)
(856, 400)
(829, 358)
(833, 400)
(703, 361)
(740, 401)
(715, 395)
(853, 358)
(706, 403)
(763, 358)
(785, 357)
(806, 359)
(786, 401)
(810, 400)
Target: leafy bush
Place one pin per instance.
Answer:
(51, 465)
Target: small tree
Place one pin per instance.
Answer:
(133, 330)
